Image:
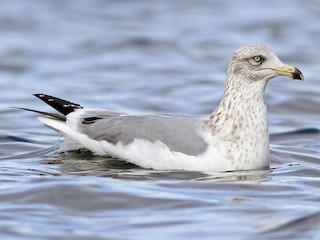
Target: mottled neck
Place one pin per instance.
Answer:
(242, 104)
(239, 127)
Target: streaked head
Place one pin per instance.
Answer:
(257, 62)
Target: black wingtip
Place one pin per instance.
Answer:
(62, 106)
(52, 115)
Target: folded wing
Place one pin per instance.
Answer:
(179, 133)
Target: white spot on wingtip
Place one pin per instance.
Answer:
(51, 100)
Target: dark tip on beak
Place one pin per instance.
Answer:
(297, 74)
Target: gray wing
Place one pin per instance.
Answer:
(179, 133)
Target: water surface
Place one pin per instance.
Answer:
(153, 57)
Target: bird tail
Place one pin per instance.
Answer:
(62, 106)
(57, 121)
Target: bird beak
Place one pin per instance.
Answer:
(289, 71)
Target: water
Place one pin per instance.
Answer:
(153, 57)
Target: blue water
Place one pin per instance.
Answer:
(154, 57)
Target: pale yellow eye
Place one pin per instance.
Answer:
(257, 58)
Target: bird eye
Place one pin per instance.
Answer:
(257, 58)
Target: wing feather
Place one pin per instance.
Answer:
(179, 133)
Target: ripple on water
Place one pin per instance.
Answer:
(142, 57)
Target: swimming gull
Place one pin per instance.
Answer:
(233, 137)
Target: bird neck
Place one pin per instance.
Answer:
(239, 127)
(242, 101)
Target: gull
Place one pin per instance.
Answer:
(233, 137)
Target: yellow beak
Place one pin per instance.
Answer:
(289, 71)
